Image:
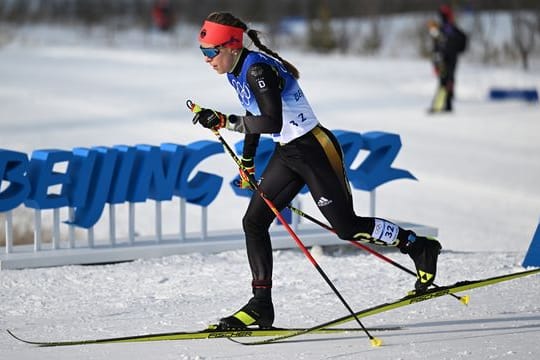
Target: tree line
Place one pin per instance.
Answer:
(326, 20)
(137, 11)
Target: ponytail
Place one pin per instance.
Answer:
(254, 36)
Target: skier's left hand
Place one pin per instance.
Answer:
(247, 175)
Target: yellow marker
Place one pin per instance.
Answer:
(196, 108)
(193, 107)
(376, 342)
(465, 299)
(245, 318)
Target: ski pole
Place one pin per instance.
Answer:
(463, 299)
(374, 341)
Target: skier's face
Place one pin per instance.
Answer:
(220, 58)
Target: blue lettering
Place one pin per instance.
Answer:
(122, 174)
(79, 171)
(298, 95)
(147, 160)
(101, 174)
(166, 172)
(203, 188)
(374, 171)
(377, 168)
(42, 177)
(13, 166)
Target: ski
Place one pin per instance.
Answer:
(278, 334)
(407, 300)
(210, 333)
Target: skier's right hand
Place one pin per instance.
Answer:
(210, 119)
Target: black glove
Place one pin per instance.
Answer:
(210, 119)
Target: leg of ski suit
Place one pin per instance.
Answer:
(315, 160)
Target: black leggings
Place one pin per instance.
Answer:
(314, 159)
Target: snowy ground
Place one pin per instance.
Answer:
(479, 171)
(187, 292)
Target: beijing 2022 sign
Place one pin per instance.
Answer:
(112, 175)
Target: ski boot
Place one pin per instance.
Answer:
(424, 252)
(257, 311)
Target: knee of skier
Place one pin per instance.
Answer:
(253, 224)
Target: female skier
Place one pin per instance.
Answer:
(305, 153)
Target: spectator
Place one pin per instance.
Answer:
(448, 43)
(162, 15)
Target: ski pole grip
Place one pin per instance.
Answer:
(193, 107)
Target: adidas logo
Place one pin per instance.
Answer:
(323, 202)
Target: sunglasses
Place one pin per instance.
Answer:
(210, 52)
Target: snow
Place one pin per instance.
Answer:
(478, 172)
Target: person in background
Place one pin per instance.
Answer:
(449, 41)
(162, 15)
(305, 153)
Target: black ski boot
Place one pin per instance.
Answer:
(424, 252)
(258, 311)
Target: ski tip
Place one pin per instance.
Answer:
(375, 342)
(465, 299)
(15, 336)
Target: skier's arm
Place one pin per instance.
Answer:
(251, 141)
(266, 86)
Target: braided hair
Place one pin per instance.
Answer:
(226, 18)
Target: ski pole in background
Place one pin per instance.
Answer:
(374, 341)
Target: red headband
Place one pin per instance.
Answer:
(218, 34)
